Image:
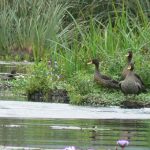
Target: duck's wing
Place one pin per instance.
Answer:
(139, 78)
(139, 87)
(110, 79)
(143, 88)
(121, 86)
(114, 81)
(106, 77)
(120, 83)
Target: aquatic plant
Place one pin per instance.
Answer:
(122, 143)
(70, 148)
(39, 79)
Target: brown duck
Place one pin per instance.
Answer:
(103, 80)
(129, 60)
(132, 84)
(126, 71)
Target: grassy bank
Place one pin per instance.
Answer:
(53, 30)
(80, 87)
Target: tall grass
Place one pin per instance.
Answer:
(30, 24)
(110, 43)
(73, 32)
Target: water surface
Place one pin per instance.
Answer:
(41, 110)
(84, 133)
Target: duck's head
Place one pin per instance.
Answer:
(131, 66)
(94, 61)
(129, 55)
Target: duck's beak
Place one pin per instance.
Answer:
(129, 67)
(127, 55)
(89, 63)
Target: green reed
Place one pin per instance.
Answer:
(73, 33)
(109, 43)
(30, 24)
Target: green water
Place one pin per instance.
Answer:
(56, 133)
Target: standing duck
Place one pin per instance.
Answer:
(126, 71)
(129, 60)
(131, 84)
(103, 80)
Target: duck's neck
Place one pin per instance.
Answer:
(97, 70)
(129, 59)
(130, 73)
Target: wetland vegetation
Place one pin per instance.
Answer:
(62, 36)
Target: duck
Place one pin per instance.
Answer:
(11, 75)
(125, 71)
(101, 79)
(132, 84)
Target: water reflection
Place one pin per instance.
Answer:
(56, 133)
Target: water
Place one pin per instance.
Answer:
(54, 126)
(6, 67)
(41, 110)
(84, 133)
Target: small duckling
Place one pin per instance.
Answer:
(103, 80)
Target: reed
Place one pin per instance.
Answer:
(109, 43)
(72, 32)
(27, 24)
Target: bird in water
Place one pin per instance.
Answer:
(132, 84)
(122, 144)
(103, 80)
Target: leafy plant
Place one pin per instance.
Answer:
(39, 79)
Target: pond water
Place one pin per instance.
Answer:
(83, 133)
(37, 125)
(6, 67)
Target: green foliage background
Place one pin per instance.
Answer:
(74, 31)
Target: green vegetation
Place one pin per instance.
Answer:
(71, 33)
(80, 87)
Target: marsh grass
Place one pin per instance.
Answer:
(72, 32)
(30, 24)
(110, 44)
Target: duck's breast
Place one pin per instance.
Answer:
(129, 87)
